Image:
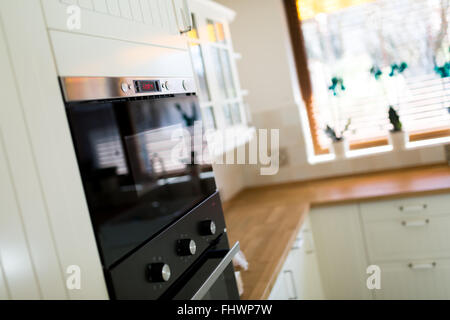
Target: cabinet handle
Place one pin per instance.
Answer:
(412, 208)
(298, 244)
(295, 297)
(309, 243)
(416, 223)
(186, 16)
(417, 266)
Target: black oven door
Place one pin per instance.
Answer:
(144, 164)
(212, 278)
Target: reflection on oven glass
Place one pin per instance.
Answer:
(144, 164)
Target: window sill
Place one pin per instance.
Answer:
(352, 154)
(428, 142)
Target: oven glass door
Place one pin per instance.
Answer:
(224, 288)
(143, 164)
(211, 279)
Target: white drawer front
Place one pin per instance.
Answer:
(406, 207)
(406, 238)
(415, 280)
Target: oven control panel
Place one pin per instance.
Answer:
(150, 271)
(78, 89)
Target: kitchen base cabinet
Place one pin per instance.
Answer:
(340, 251)
(299, 278)
(284, 288)
(407, 238)
(415, 280)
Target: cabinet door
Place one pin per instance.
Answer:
(145, 21)
(214, 64)
(279, 290)
(415, 280)
(306, 269)
(285, 287)
(340, 250)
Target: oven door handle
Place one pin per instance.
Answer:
(217, 272)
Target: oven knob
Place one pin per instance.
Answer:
(186, 247)
(158, 272)
(167, 85)
(125, 87)
(207, 228)
(187, 85)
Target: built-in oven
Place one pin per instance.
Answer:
(150, 188)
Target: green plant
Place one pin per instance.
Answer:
(398, 68)
(376, 72)
(334, 136)
(337, 86)
(394, 118)
(444, 70)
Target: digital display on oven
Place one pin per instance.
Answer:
(143, 86)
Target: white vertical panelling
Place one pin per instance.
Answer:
(50, 139)
(155, 12)
(4, 294)
(125, 20)
(165, 14)
(136, 10)
(113, 7)
(14, 253)
(26, 183)
(173, 25)
(125, 9)
(86, 4)
(160, 6)
(100, 6)
(146, 12)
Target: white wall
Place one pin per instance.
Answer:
(260, 34)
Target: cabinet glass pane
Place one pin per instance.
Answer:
(231, 91)
(216, 32)
(209, 119)
(199, 69)
(236, 113)
(224, 73)
(228, 115)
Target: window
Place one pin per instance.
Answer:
(212, 56)
(362, 56)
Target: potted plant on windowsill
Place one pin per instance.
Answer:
(339, 143)
(397, 136)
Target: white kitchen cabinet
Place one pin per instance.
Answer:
(213, 59)
(119, 38)
(307, 277)
(340, 250)
(415, 279)
(407, 238)
(299, 277)
(154, 22)
(284, 288)
(45, 225)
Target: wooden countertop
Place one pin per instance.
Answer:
(266, 219)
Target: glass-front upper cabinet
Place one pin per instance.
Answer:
(213, 60)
